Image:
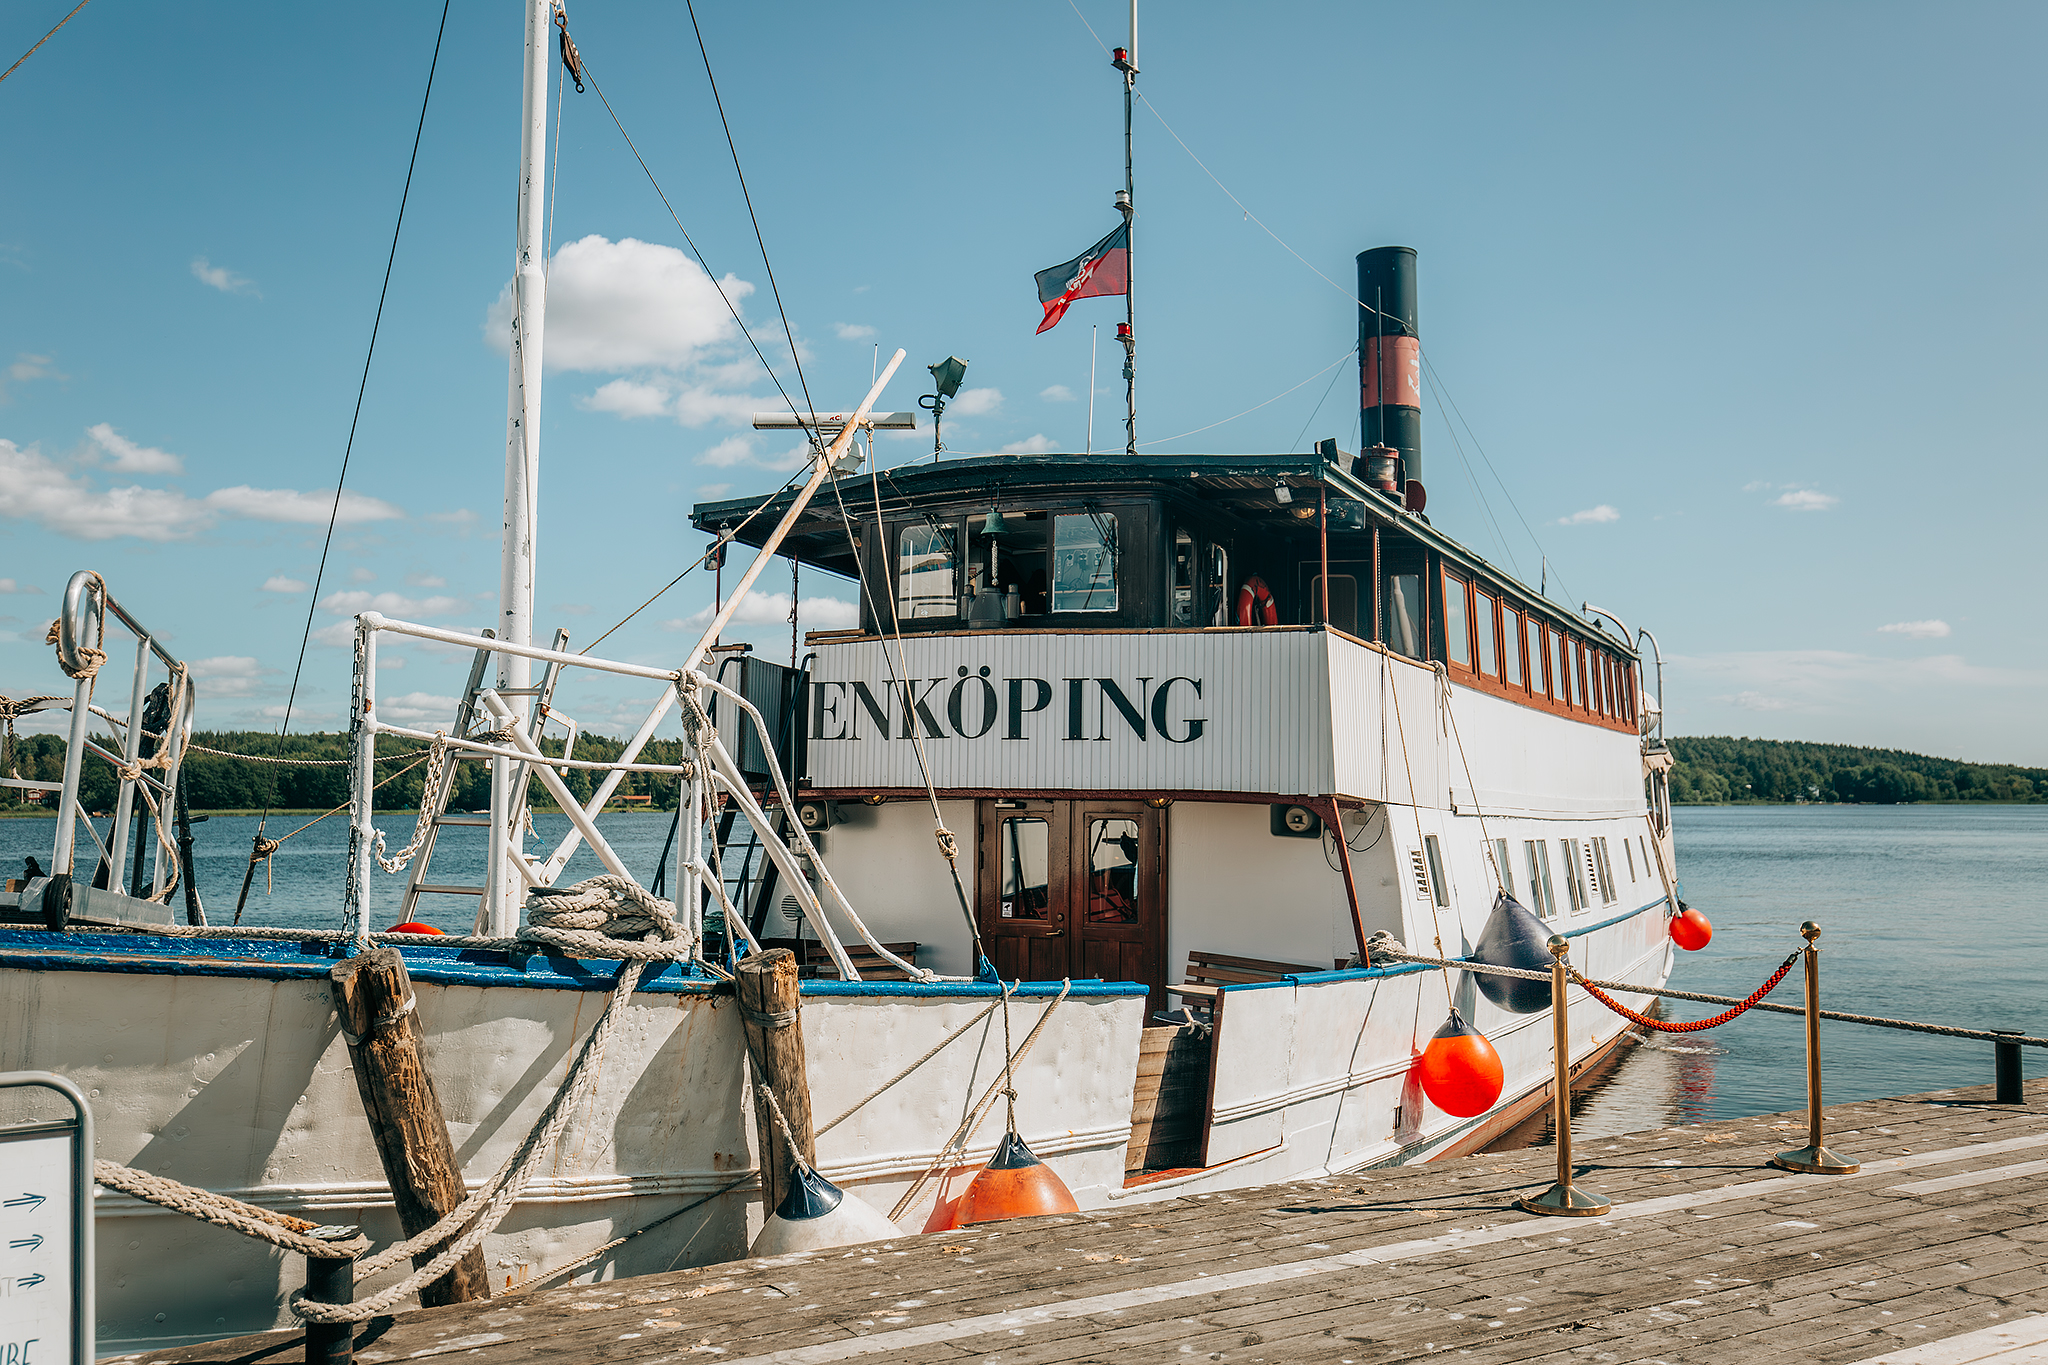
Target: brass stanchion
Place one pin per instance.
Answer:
(1813, 1158)
(1563, 1199)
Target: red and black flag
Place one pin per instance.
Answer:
(1104, 268)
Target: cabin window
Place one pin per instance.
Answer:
(1437, 884)
(1574, 875)
(1182, 611)
(1457, 627)
(927, 562)
(1026, 889)
(1628, 851)
(1575, 659)
(1560, 668)
(1343, 600)
(1541, 897)
(1534, 654)
(1483, 622)
(1511, 647)
(1596, 678)
(1507, 868)
(1112, 872)
(1216, 583)
(1403, 614)
(1608, 895)
(1084, 555)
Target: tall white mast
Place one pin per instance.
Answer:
(503, 892)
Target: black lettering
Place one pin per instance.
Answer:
(1195, 725)
(914, 709)
(1018, 710)
(822, 707)
(877, 710)
(1114, 695)
(1074, 689)
(954, 705)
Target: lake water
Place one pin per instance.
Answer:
(1928, 912)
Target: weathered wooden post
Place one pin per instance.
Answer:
(767, 989)
(373, 995)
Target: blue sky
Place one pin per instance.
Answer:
(1741, 303)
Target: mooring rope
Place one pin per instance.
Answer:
(278, 1229)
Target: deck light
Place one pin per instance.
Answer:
(946, 377)
(1282, 493)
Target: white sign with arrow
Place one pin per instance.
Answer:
(45, 1233)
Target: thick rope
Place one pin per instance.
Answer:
(1695, 1025)
(280, 1230)
(90, 656)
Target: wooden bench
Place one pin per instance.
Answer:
(816, 960)
(1209, 972)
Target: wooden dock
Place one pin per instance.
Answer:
(1932, 1255)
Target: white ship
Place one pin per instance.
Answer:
(1204, 735)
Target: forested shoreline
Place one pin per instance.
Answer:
(1718, 769)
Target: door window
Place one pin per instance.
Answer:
(1025, 853)
(1112, 872)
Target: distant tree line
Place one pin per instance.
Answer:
(1721, 769)
(213, 782)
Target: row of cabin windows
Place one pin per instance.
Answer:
(1483, 634)
(1588, 872)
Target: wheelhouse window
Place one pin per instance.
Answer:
(1511, 646)
(1084, 558)
(1026, 888)
(1483, 623)
(1402, 612)
(1216, 584)
(1343, 601)
(927, 571)
(1182, 610)
(1457, 623)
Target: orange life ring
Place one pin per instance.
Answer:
(1255, 604)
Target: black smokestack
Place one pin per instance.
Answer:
(1390, 357)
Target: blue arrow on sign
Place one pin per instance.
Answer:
(31, 1243)
(29, 1281)
(31, 1200)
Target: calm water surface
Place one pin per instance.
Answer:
(1929, 912)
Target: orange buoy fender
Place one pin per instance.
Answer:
(413, 926)
(1460, 1072)
(1255, 604)
(1014, 1184)
(1690, 929)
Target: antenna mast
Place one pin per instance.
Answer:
(503, 890)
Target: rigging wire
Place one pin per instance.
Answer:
(53, 33)
(1438, 380)
(1319, 407)
(1473, 479)
(362, 388)
(1256, 406)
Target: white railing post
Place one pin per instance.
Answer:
(362, 833)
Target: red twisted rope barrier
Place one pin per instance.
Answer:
(1696, 1025)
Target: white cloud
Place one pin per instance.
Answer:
(772, 608)
(9, 585)
(1057, 393)
(298, 713)
(462, 519)
(126, 457)
(1591, 516)
(34, 488)
(28, 367)
(279, 583)
(221, 278)
(340, 635)
(290, 505)
(1917, 630)
(417, 706)
(1805, 500)
(975, 402)
(1032, 445)
(731, 451)
(853, 331)
(227, 675)
(391, 661)
(1822, 682)
(389, 603)
(625, 305)
(1759, 701)
(698, 404)
(708, 491)
(426, 580)
(360, 574)
(626, 398)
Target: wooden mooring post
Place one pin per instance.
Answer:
(374, 997)
(767, 989)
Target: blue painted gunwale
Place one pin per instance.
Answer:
(270, 960)
(1406, 968)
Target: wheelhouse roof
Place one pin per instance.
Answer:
(1240, 485)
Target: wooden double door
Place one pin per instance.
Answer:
(1074, 889)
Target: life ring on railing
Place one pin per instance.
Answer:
(1255, 604)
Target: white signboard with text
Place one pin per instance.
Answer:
(45, 1259)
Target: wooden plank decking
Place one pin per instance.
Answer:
(1933, 1253)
